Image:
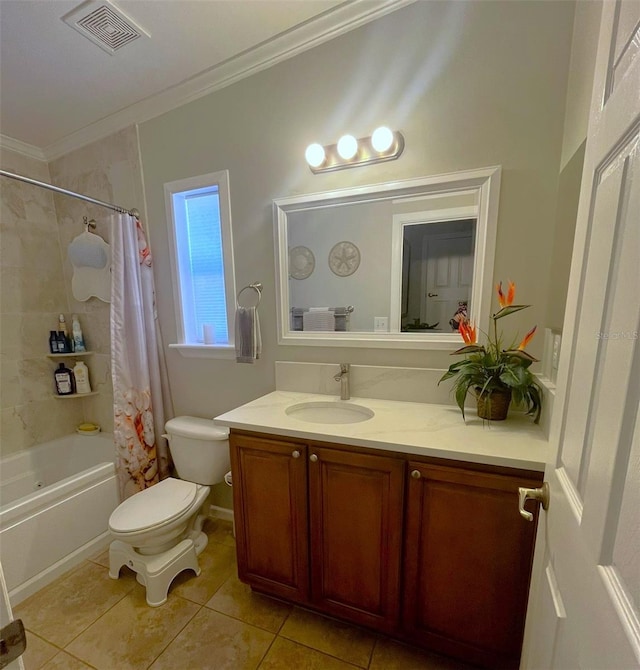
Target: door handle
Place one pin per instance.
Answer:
(432, 295)
(541, 495)
(13, 642)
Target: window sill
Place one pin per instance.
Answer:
(205, 350)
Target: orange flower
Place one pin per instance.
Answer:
(503, 300)
(527, 338)
(468, 332)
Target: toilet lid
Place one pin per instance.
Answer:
(153, 506)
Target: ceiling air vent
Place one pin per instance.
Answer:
(104, 24)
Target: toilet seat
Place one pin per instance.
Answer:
(153, 507)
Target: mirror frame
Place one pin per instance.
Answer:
(486, 181)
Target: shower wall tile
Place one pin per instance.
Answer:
(10, 290)
(10, 247)
(96, 328)
(10, 326)
(34, 331)
(10, 389)
(99, 408)
(32, 294)
(12, 209)
(36, 379)
(37, 295)
(52, 418)
(14, 436)
(36, 227)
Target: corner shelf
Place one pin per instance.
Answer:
(77, 354)
(74, 395)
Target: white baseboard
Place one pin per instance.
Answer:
(220, 513)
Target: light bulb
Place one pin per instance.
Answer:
(314, 155)
(347, 146)
(382, 139)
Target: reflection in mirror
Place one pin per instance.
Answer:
(395, 264)
(437, 275)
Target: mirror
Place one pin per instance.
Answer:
(387, 265)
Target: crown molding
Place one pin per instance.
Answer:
(314, 32)
(23, 148)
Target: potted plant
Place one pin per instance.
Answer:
(494, 373)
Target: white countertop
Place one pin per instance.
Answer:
(406, 427)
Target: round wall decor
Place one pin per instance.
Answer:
(301, 262)
(344, 259)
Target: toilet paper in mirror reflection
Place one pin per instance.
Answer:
(209, 333)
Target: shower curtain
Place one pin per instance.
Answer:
(141, 397)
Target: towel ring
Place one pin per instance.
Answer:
(257, 287)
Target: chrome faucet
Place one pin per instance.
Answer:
(343, 378)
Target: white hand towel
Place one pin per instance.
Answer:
(248, 339)
(318, 320)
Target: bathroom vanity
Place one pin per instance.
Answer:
(405, 522)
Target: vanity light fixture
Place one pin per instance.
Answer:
(383, 145)
(347, 147)
(315, 155)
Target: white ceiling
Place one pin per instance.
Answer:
(58, 90)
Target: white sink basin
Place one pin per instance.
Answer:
(329, 412)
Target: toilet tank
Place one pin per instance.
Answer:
(200, 449)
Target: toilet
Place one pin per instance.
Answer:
(158, 532)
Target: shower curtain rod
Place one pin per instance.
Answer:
(73, 194)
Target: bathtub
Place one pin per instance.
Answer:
(55, 503)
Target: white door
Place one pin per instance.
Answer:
(585, 601)
(6, 618)
(447, 276)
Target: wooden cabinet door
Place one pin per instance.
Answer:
(468, 556)
(355, 512)
(270, 507)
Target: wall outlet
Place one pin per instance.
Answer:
(380, 324)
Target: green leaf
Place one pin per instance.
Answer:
(505, 311)
(519, 353)
(536, 402)
(468, 349)
(461, 395)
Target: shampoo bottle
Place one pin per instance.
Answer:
(53, 342)
(81, 374)
(78, 338)
(63, 343)
(64, 380)
(62, 329)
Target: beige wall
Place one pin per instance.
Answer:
(469, 84)
(36, 227)
(584, 46)
(586, 27)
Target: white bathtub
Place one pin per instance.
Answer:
(55, 503)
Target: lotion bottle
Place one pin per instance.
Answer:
(81, 375)
(78, 338)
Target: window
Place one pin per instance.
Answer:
(199, 219)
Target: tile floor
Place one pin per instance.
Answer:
(87, 620)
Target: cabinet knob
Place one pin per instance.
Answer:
(541, 495)
(416, 474)
(296, 454)
(313, 458)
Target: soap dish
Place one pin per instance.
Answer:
(90, 431)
